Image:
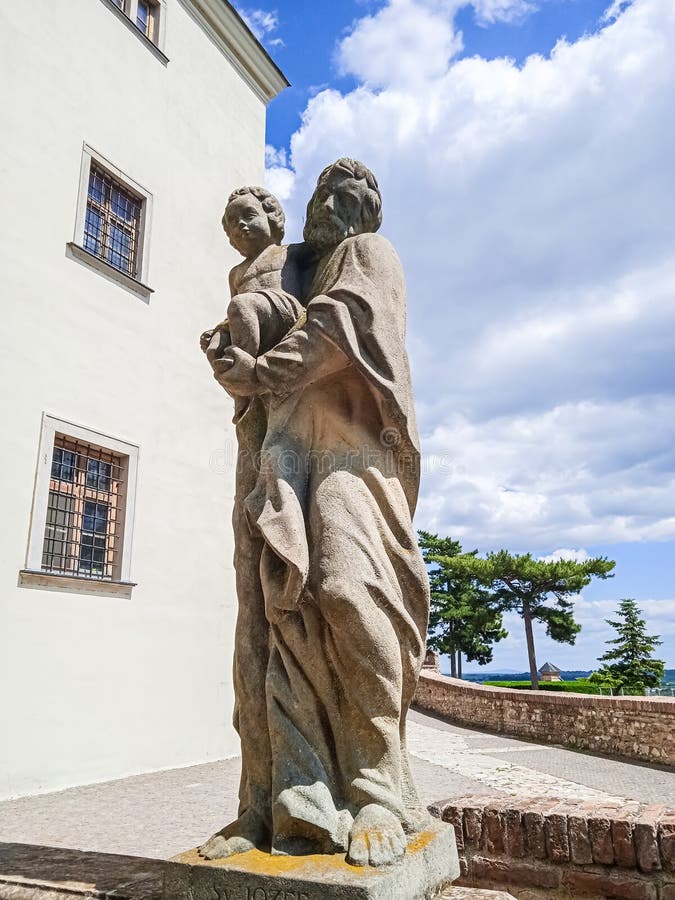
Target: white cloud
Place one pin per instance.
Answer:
(567, 553)
(490, 11)
(578, 474)
(511, 653)
(274, 157)
(532, 206)
(278, 177)
(409, 41)
(615, 10)
(279, 180)
(403, 43)
(262, 22)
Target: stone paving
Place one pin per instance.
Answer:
(163, 813)
(536, 769)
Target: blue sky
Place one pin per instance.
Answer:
(310, 32)
(525, 149)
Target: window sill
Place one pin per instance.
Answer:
(144, 39)
(95, 262)
(74, 584)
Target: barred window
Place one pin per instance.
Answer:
(112, 221)
(82, 520)
(112, 224)
(83, 529)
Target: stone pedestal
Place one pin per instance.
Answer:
(33, 872)
(429, 864)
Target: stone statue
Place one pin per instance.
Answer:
(263, 308)
(265, 285)
(333, 593)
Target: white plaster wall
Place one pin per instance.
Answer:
(91, 687)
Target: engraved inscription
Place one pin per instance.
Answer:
(224, 893)
(273, 894)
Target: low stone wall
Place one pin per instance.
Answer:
(546, 849)
(640, 728)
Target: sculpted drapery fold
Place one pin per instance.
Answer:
(345, 590)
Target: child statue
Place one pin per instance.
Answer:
(265, 286)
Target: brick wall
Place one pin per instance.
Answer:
(550, 849)
(640, 728)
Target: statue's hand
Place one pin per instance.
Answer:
(205, 339)
(235, 371)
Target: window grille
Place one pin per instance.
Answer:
(112, 221)
(83, 531)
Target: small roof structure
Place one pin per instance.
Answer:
(549, 669)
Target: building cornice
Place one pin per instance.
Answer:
(237, 42)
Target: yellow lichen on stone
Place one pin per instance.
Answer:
(266, 864)
(261, 863)
(420, 841)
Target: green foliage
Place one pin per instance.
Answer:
(578, 686)
(605, 680)
(521, 582)
(463, 618)
(629, 662)
(538, 590)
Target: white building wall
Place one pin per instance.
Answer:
(97, 687)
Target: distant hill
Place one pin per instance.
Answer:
(513, 675)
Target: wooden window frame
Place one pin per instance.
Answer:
(110, 219)
(138, 283)
(154, 15)
(80, 492)
(45, 483)
(127, 11)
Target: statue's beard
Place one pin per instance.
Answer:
(324, 233)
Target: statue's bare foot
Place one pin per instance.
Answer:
(417, 819)
(376, 838)
(245, 833)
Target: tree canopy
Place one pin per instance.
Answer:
(463, 617)
(538, 590)
(629, 663)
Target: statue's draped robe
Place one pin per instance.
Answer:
(279, 273)
(345, 589)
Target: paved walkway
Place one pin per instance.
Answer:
(163, 813)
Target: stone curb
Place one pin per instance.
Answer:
(599, 848)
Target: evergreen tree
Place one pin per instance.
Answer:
(630, 664)
(538, 590)
(462, 619)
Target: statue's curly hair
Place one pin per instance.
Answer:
(371, 213)
(269, 203)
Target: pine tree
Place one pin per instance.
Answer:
(538, 590)
(630, 664)
(463, 619)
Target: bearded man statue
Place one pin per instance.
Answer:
(345, 589)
